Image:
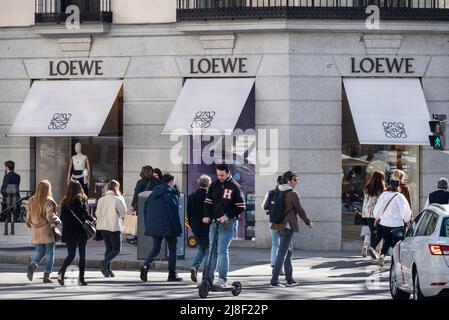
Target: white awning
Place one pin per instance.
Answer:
(388, 111)
(66, 108)
(210, 106)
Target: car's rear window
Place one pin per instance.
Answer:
(445, 228)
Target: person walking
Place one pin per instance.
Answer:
(441, 195)
(147, 182)
(41, 217)
(392, 211)
(274, 234)
(74, 211)
(286, 229)
(110, 209)
(372, 191)
(162, 222)
(403, 187)
(223, 204)
(195, 208)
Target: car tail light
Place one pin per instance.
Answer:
(439, 250)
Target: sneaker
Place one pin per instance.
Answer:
(111, 274)
(364, 251)
(61, 278)
(278, 284)
(292, 283)
(31, 267)
(372, 252)
(220, 283)
(193, 274)
(144, 274)
(174, 278)
(381, 260)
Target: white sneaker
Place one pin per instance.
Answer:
(364, 251)
(220, 283)
(381, 260)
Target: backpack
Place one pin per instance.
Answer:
(275, 205)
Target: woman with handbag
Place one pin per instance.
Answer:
(42, 219)
(147, 182)
(110, 208)
(372, 191)
(74, 211)
(392, 210)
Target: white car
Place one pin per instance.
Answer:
(420, 260)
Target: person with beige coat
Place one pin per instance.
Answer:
(110, 209)
(41, 218)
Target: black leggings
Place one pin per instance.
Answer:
(71, 252)
(387, 236)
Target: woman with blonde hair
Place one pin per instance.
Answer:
(110, 209)
(41, 218)
(403, 186)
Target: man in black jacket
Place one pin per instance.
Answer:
(195, 208)
(10, 178)
(440, 196)
(223, 204)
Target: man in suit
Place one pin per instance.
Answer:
(440, 196)
(10, 178)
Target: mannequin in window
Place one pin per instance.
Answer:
(81, 168)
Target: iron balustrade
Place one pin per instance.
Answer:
(428, 10)
(54, 11)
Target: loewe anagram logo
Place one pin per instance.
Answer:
(395, 130)
(203, 119)
(59, 121)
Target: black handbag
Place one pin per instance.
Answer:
(88, 226)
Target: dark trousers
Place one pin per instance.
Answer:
(71, 252)
(387, 236)
(172, 254)
(376, 236)
(284, 256)
(113, 242)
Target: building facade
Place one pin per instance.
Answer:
(302, 67)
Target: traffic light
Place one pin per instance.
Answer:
(438, 128)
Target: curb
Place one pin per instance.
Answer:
(94, 264)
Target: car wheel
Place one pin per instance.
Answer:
(417, 294)
(396, 293)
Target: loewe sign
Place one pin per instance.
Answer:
(382, 65)
(218, 65)
(76, 68)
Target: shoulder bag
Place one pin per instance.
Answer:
(88, 226)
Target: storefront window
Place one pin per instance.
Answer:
(359, 162)
(104, 153)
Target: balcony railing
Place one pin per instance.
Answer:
(430, 10)
(54, 11)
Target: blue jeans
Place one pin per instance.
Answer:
(284, 257)
(200, 255)
(42, 250)
(222, 238)
(274, 246)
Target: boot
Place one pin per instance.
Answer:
(47, 278)
(61, 277)
(31, 267)
(81, 280)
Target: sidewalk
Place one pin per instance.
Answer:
(127, 259)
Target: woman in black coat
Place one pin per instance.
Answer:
(74, 211)
(147, 182)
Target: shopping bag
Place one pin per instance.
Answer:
(130, 225)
